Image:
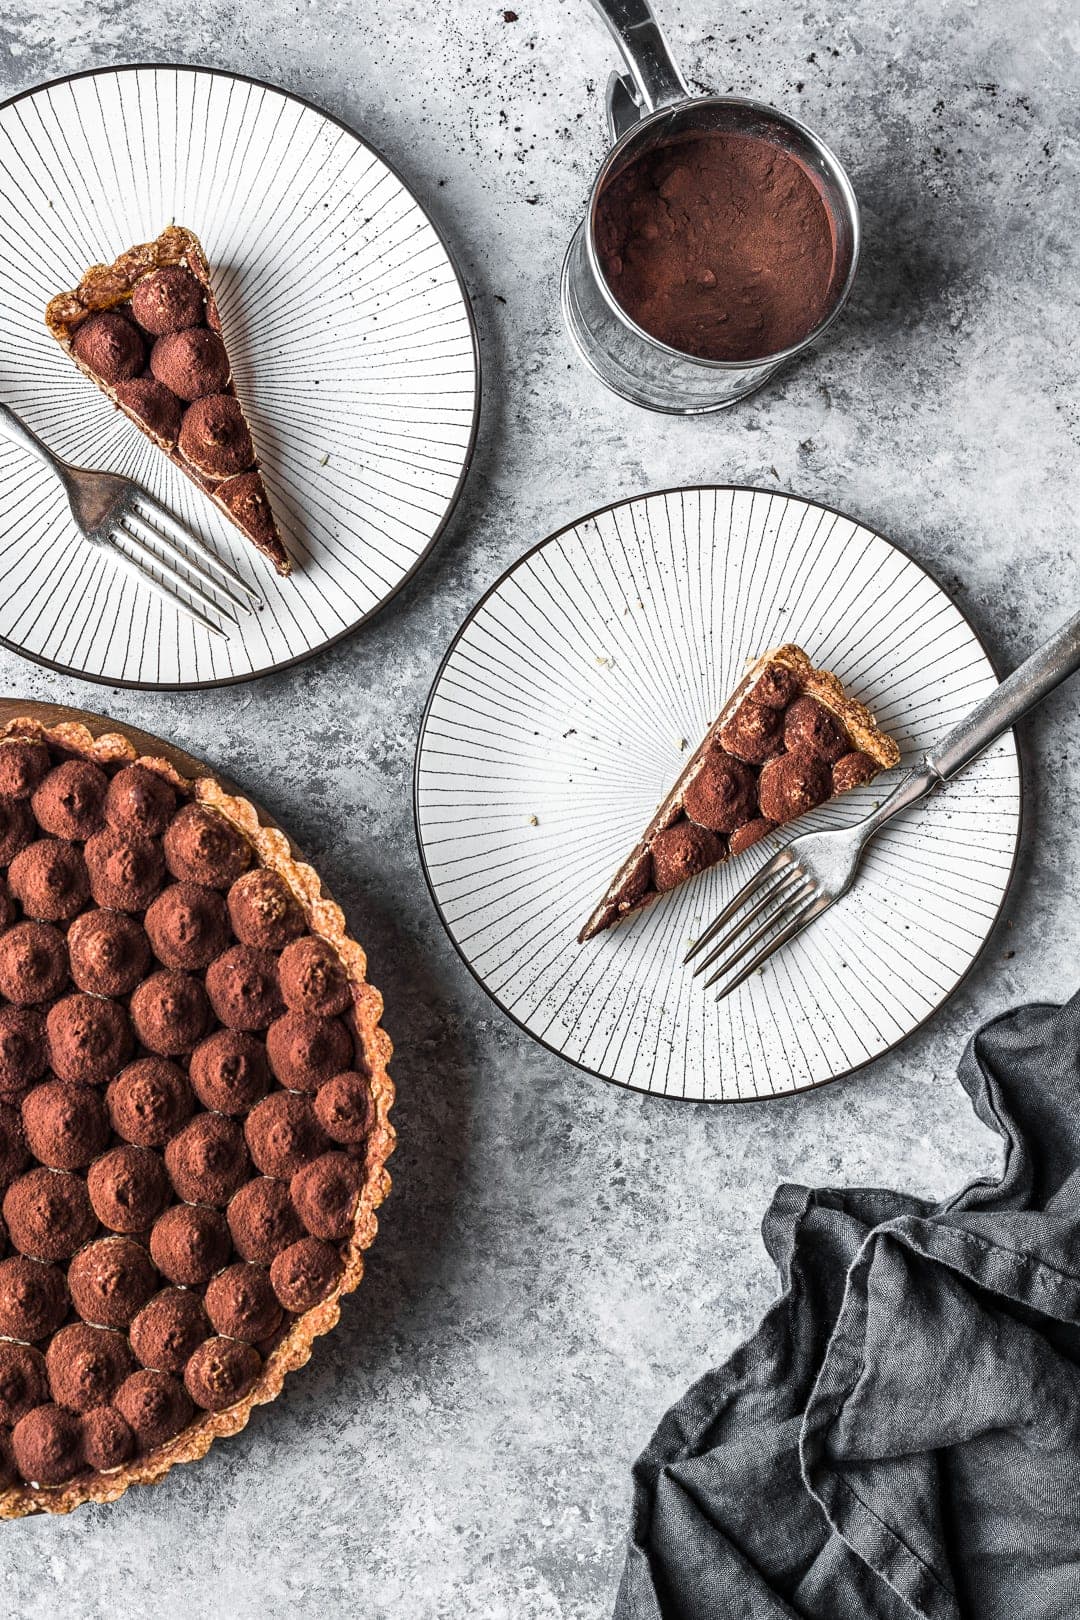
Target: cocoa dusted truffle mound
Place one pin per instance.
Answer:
(344, 1108)
(202, 847)
(283, 1133)
(853, 770)
(808, 724)
(305, 1273)
(108, 951)
(241, 1304)
(305, 1051)
(681, 851)
(794, 784)
(33, 967)
(128, 1188)
(69, 802)
(208, 1160)
(23, 764)
(189, 1243)
(87, 1365)
(221, 1372)
(754, 733)
(188, 925)
(17, 826)
(169, 1329)
(110, 347)
(245, 497)
(263, 910)
(23, 1380)
(324, 1194)
(191, 363)
(89, 1038)
(158, 411)
(154, 1406)
(49, 879)
(23, 1051)
(777, 686)
(47, 1444)
(149, 1102)
(243, 988)
(107, 1439)
(139, 800)
(14, 1153)
(33, 1298)
(749, 834)
(229, 1071)
(170, 1012)
(110, 1280)
(48, 1214)
(214, 437)
(722, 795)
(126, 869)
(66, 1125)
(313, 979)
(262, 1220)
(168, 300)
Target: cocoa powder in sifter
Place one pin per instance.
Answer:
(720, 244)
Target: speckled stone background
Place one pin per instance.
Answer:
(558, 1259)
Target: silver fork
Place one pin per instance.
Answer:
(113, 511)
(811, 873)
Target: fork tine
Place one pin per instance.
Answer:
(775, 916)
(802, 920)
(143, 527)
(173, 573)
(170, 596)
(175, 533)
(781, 895)
(751, 887)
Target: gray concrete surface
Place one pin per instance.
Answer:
(559, 1260)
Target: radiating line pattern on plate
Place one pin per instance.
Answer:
(562, 715)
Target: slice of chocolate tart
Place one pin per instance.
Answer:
(146, 330)
(787, 739)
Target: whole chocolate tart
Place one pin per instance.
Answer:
(146, 330)
(194, 1114)
(788, 739)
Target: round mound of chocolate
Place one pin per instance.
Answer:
(69, 803)
(89, 1038)
(808, 724)
(149, 1102)
(229, 1071)
(208, 1161)
(24, 762)
(853, 770)
(65, 1125)
(304, 1273)
(48, 1214)
(139, 800)
(202, 847)
(754, 733)
(17, 826)
(189, 1243)
(154, 1406)
(126, 870)
(87, 1365)
(324, 1194)
(777, 686)
(305, 1051)
(14, 1151)
(23, 1049)
(241, 1304)
(110, 1280)
(49, 880)
(47, 1444)
(33, 1298)
(107, 1439)
(344, 1108)
(243, 988)
(680, 851)
(263, 910)
(214, 437)
(167, 300)
(128, 1187)
(262, 1220)
(108, 952)
(33, 967)
(169, 1329)
(159, 411)
(793, 784)
(313, 979)
(722, 795)
(188, 925)
(110, 347)
(750, 833)
(221, 1372)
(170, 1012)
(24, 1383)
(191, 363)
(283, 1133)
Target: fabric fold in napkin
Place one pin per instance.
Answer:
(902, 1434)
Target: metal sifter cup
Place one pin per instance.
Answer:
(647, 108)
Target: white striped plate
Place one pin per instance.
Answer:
(352, 344)
(556, 725)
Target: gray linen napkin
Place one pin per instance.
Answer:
(902, 1434)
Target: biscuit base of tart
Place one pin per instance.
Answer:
(165, 415)
(788, 739)
(324, 918)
